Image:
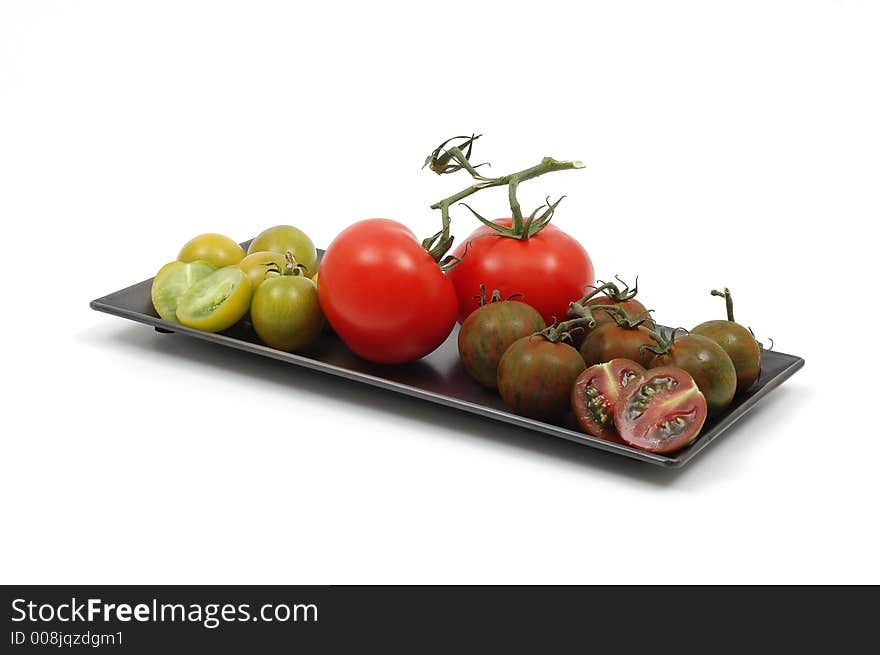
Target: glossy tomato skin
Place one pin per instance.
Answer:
(217, 249)
(661, 412)
(489, 331)
(596, 392)
(383, 294)
(550, 270)
(535, 377)
(740, 345)
(611, 341)
(709, 366)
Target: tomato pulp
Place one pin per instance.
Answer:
(383, 294)
(550, 270)
(663, 411)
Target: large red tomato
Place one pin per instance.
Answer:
(383, 294)
(550, 270)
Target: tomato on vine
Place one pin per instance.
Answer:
(520, 254)
(550, 269)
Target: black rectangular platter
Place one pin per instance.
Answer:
(439, 377)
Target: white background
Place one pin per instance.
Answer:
(726, 143)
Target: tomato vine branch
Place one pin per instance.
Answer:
(449, 159)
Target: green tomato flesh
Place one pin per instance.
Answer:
(216, 302)
(172, 282)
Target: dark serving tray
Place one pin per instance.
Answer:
(440, 378)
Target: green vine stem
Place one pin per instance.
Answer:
(584, 319)
(664, 342)
(612, 291)
(449, 159)
(728, 300)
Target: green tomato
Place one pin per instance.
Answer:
(284, 238)
(216, 302)
(172, 281)
(285, 312)
(215, 248)
(257, 266)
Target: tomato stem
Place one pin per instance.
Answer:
(612, 291)
(495, 297)
(664, 342)
(441, 162)
(291, 267)
(728, 301)
(584, 319)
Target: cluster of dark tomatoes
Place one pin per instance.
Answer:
(623, 378)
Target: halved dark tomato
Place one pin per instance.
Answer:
(596, 392)
(662, 412)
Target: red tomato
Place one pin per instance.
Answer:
(550, 270)
(383, 294)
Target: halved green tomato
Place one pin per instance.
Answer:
(172, 281)
(216, 302)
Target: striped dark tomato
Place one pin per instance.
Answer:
(737, 341)
(742, 348)
(612, 341)
(708, 364)
(490, 330)
(535, 377)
